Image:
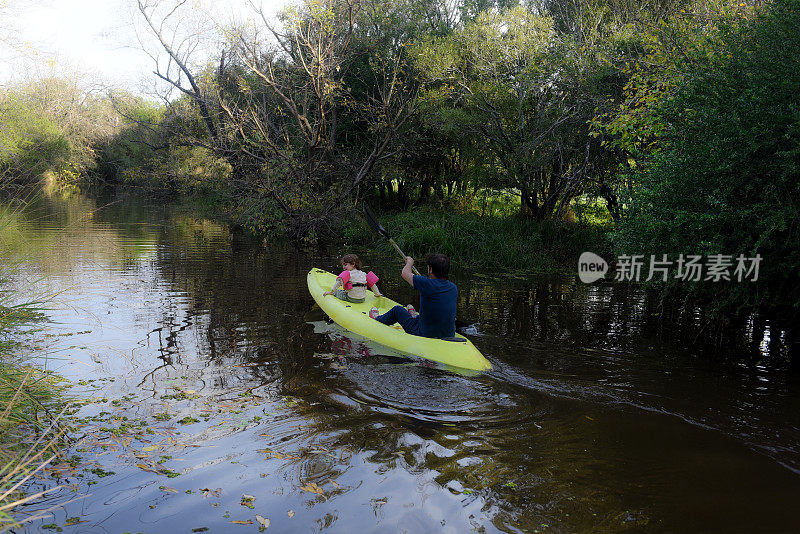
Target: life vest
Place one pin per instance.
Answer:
(370, 280)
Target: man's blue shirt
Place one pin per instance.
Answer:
(437, 306)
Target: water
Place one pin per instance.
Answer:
(212, 379)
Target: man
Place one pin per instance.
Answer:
(437, 298)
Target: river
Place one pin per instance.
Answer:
(216, 397)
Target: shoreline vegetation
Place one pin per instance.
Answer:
(32, 400)
(509, 136)
(504, 245)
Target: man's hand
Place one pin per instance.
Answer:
(408, 274)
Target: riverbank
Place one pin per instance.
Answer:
(505, 242)
(32, 398)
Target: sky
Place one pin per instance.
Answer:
(94, 39)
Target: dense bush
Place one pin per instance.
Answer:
(52, 125)
(30, 143)
(506, 244)
(724, 176)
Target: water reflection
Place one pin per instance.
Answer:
(216, 368)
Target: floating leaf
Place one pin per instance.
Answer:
(216, 492)
(168, 489)
(151, 448)
(247, 500)
(290, 513)
(147, 468)
(312, 488)
(236, 522)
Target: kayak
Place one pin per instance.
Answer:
(457, 351)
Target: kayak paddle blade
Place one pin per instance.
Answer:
(373, 221)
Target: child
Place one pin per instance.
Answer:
(354, 281)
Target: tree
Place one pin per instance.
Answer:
(285, 103)
(181, 36)
(724, 174)
(52, 124)
(511, 80)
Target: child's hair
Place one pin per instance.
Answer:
(439, 264)
(352, 258)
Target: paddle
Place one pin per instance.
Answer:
(378, 227)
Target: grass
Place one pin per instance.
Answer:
(31, 403)
(31, 440)
(509, 243)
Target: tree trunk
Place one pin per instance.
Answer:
(402, 198)
(425, 189)
(612, 201)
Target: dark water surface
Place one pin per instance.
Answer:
(212, 379)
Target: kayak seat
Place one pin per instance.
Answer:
(455, 339)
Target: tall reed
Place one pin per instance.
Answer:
(30, 399)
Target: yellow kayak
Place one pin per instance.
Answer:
(355, 317)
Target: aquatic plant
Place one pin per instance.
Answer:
(30, 398)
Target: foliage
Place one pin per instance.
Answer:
(132, 153)
(51, 125)
(724, 174)
(302, 116)
(511, 244)
(516, 84)
(30, 144)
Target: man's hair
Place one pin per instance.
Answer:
(352, 258)
(439, 264)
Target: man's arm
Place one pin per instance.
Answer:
(408, 274)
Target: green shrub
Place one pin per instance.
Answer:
(725, 177)
(506, 244)
(30, 144)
